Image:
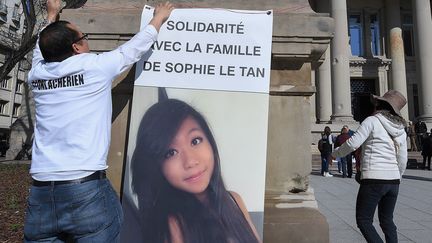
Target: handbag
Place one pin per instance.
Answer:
(358, 177)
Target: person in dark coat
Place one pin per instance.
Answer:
(427, 150)
(421, 131)
(325, 147)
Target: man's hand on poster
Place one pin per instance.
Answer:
(161, 14)
(53, 7)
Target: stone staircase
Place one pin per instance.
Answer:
(415, 161)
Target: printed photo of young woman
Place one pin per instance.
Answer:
(176, 175)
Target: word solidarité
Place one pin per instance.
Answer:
(206, 27)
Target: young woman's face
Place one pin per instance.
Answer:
(189, 161)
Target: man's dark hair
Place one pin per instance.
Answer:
(55, 41)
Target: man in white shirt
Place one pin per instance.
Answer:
(71, 197)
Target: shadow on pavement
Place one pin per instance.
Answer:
(419, 178)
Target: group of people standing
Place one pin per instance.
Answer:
(327, 143)
(421, 140)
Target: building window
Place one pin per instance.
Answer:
(16, 110)
(408, 34)
(4, 83)
(375, 35)
(15, 14)
(19, 85)
(356, 34)
(3, 8)
(3, 107)
(12, 33)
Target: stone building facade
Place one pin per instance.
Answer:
(11, 88)
(377, 46)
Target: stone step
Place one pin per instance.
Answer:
(415, 159)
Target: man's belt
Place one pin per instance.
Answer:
(101, 174)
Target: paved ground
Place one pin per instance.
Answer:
(336, 198)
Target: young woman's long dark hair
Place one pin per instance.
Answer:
(219, 221)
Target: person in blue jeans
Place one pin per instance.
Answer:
(383, 161)
(325, 146)
(71, 199)
(345, 160)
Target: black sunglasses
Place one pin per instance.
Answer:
(85, 36)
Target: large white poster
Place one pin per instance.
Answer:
(208, 72)
(210, 49)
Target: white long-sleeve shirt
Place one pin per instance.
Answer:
(74, 108)
(378, 158)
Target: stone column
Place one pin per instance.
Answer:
(423, 35)
(398, 75)
(340, 64)
(323, 78)
(324, 94)
(367, 35)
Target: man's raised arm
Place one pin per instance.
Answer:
(53, 10)
(120, 59)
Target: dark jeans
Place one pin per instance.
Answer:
(343, 162)
(349, 164)
(324, 163)
(368, 197)
(86, 212)
(429, 161)
(346, 163)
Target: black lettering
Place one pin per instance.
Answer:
(157, 44)
(240, 29)
(81, 79)
(210, 28)
(168, 67)
(260, 72)
(75, 83)
(180, 26)
(170, 25)
(219, 28)
(257, 51)
(201, 27)
(206, 27)
(227, 49)
(67, 83)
